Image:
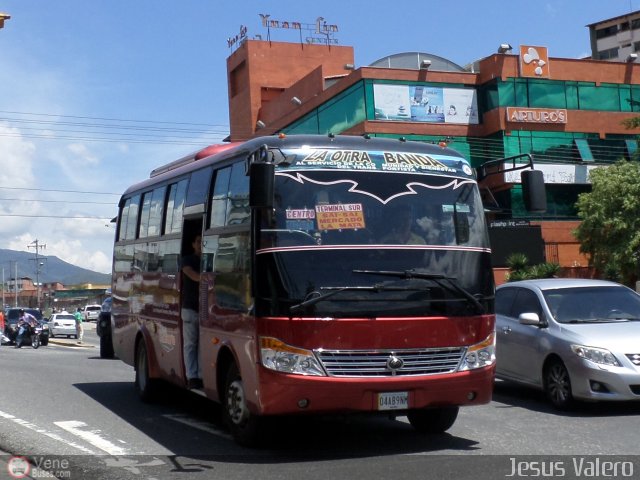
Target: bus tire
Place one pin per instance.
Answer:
(244, 426)
(145, 386)
(433, 420)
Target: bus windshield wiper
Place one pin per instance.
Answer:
(448, 283)
(319, 297)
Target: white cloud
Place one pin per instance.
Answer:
(83, 155)
(28, 169)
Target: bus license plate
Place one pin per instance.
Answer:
(393, 401)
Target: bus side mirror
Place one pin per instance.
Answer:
(261, 179)
(533, 191)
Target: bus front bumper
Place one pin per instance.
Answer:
(284, 394)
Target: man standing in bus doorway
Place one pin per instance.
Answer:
(79, 329)
(190, 313)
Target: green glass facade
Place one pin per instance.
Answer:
(356, 105)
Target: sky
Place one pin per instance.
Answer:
(94, 94)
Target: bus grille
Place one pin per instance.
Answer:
(378, 363)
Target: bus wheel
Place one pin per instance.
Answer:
(244, 426)
(145, 386)
(433, 420)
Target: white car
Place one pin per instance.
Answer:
(91, 312)
(62, 324)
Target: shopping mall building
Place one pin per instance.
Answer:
(568, 113)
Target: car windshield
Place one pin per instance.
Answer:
(13, 315)
(593, 304)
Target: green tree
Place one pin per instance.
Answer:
(609, 233)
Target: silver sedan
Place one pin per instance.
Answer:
(572, 338)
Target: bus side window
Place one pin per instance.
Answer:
(219, 198)
(132, 218)
(175, 207)
(122, 224)
(238, 211)
(156, 211)
(144, 215)
(198, 187)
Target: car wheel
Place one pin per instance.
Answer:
(557, 384)
(44, 342)
(106, 347)
(245, 427)
(433, 420)
(145, 386)
(51, 335)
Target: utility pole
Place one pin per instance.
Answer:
(3, 17)
(37, 246)
(15, 284)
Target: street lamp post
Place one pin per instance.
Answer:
(3, 17)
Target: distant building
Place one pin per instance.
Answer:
(568, 113)
(615, 39)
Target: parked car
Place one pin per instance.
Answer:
(63, 323)
(91, 312)
(12, 315)
(103, 329)
(572, 338)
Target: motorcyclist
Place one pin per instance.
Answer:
(25, 321)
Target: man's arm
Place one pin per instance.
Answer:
(191, 273)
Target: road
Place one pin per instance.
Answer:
(78, 415)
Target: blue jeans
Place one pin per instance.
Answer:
(190, 340)
(21, 332)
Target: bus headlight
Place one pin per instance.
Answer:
(480, 355)
(277, 355)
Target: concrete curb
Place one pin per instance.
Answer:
(70, 343)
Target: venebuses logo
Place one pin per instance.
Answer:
(534, 61)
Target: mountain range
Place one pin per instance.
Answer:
(52, 269)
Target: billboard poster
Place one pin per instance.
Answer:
(461, 105)
(392, 102)
(427, 104)
(420, 103)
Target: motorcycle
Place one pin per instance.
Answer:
(31, 332)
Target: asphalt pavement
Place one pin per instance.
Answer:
(10, 463)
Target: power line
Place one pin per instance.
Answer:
(59, 191)
(79, 217)
(112, 119)
(53, 201)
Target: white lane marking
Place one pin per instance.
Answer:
(92, 437)
(42, 431)
(200, 425)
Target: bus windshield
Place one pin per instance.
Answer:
(327, 226)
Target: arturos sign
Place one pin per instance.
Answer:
(536, 115)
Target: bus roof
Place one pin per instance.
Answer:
(218, 153)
